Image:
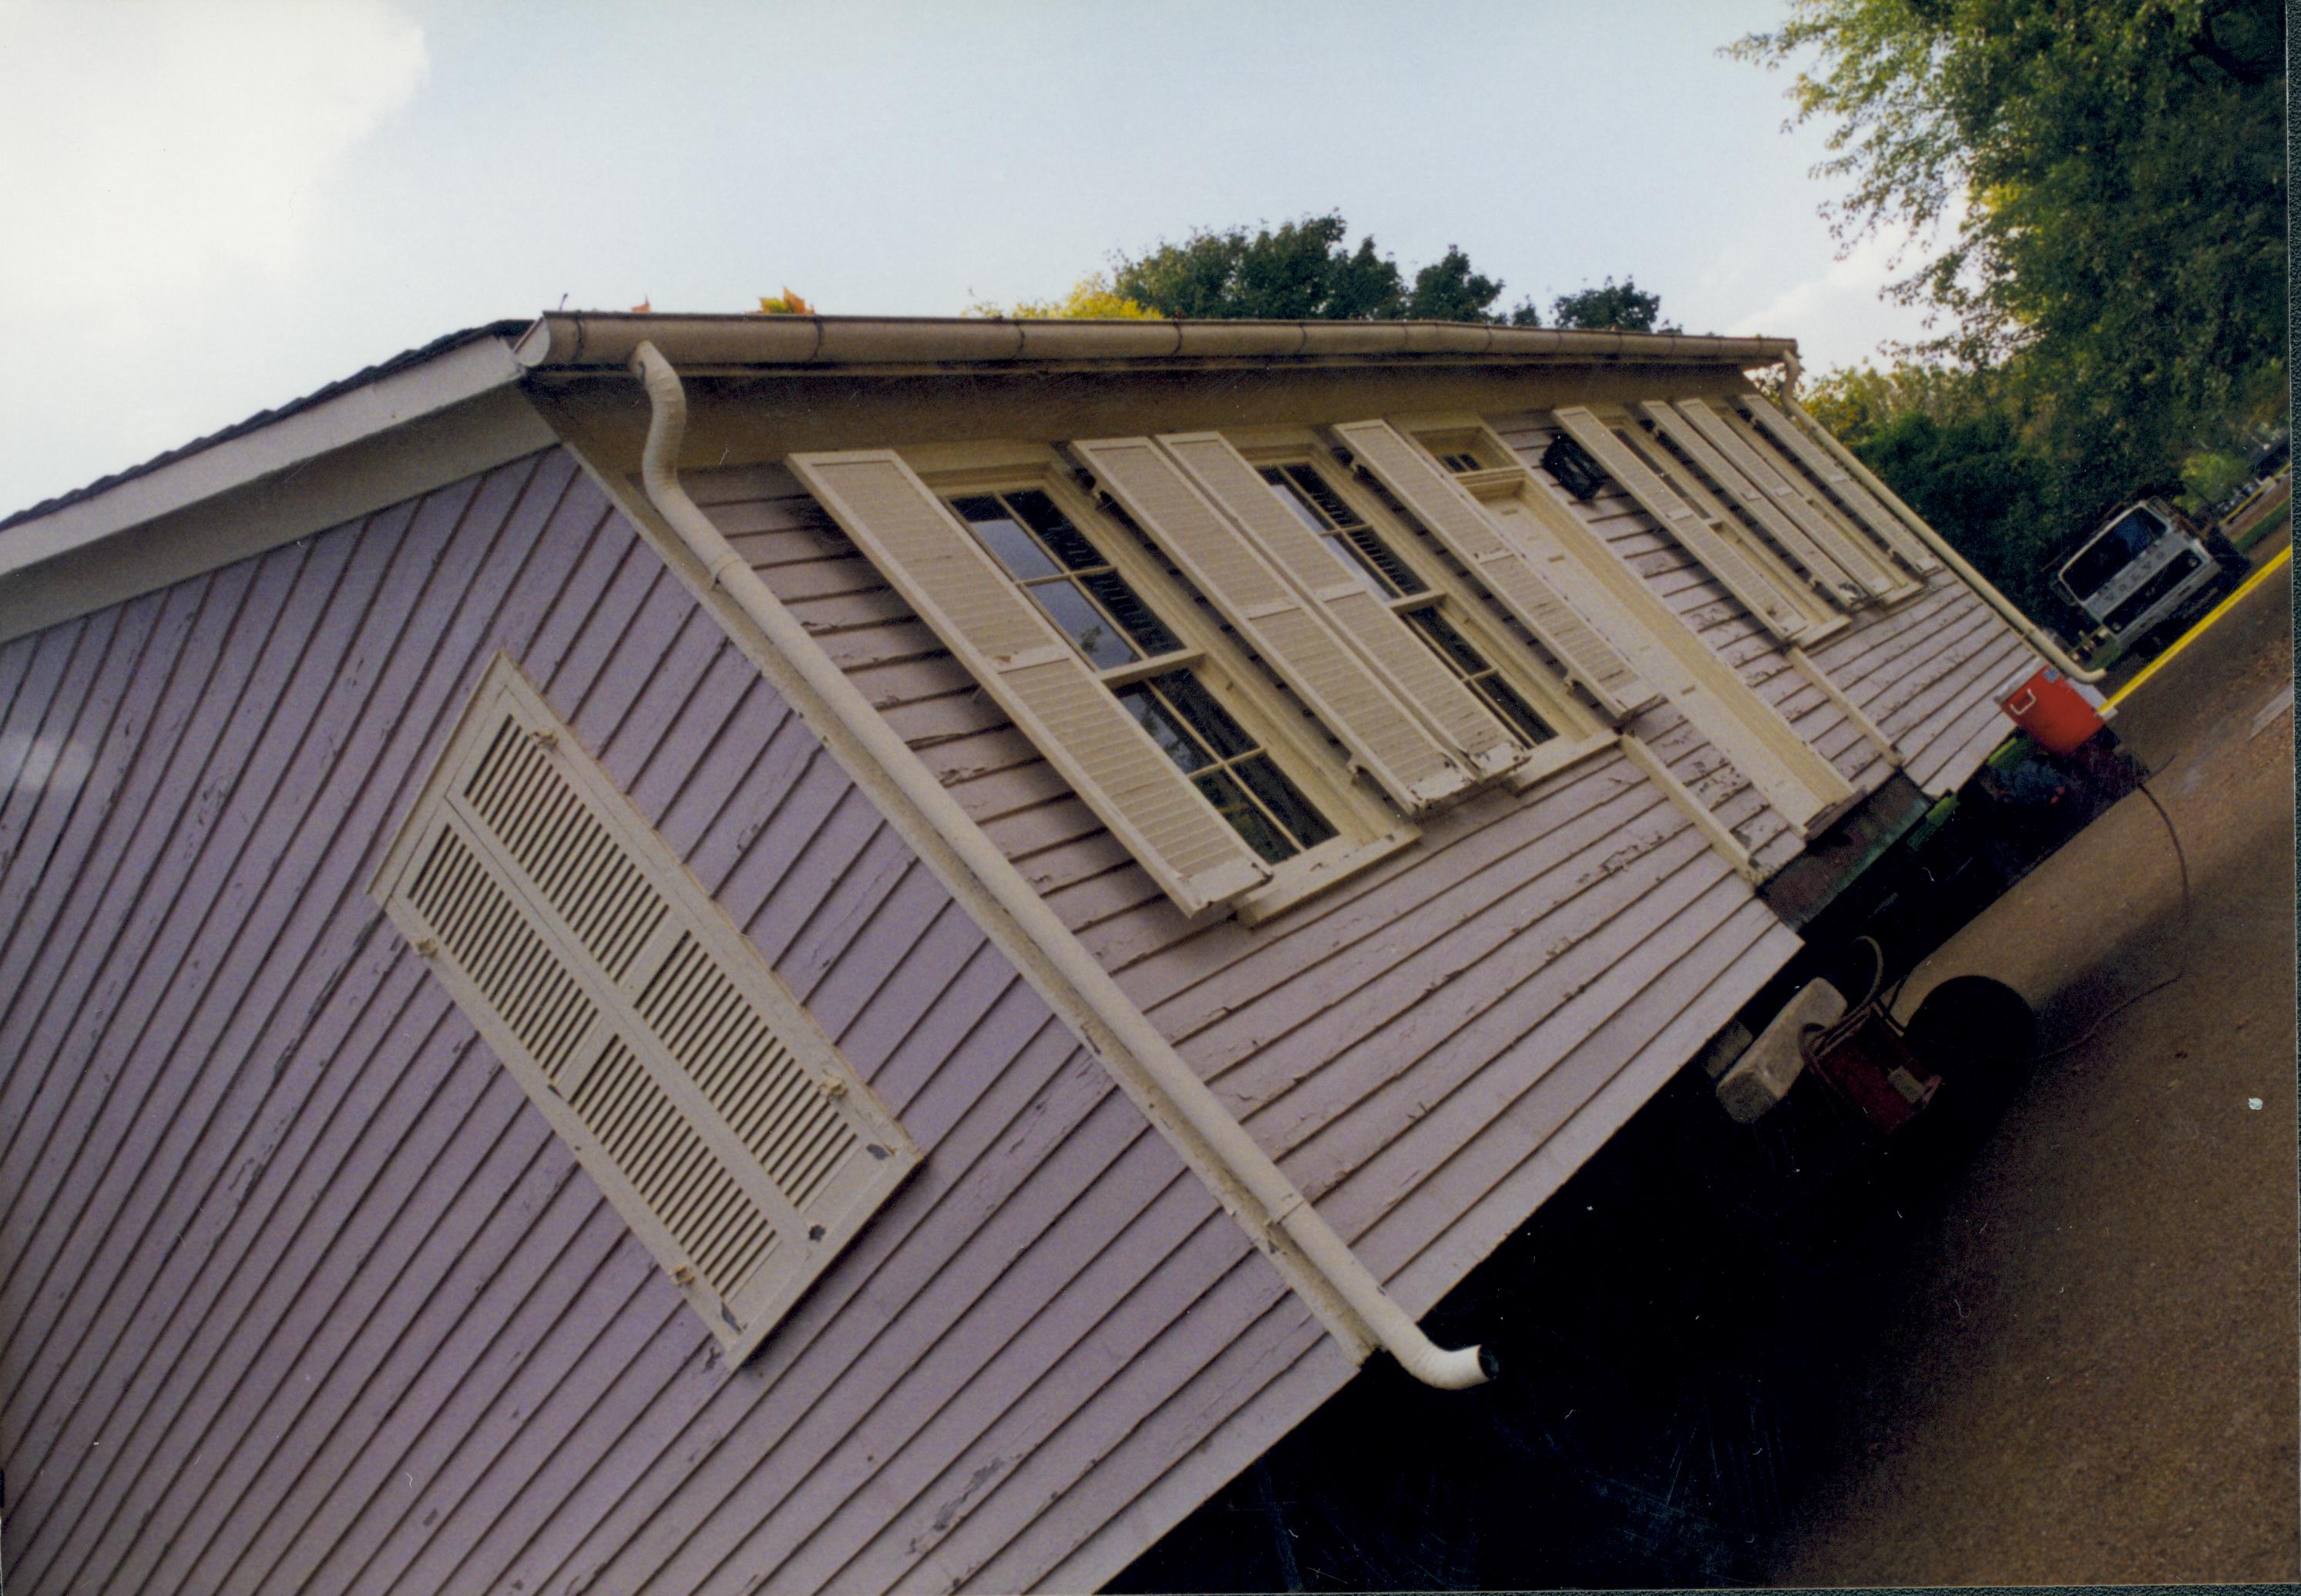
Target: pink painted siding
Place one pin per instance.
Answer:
(298, 1292)
(1928, 672)
(1429, 1049)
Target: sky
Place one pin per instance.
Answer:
(217, 206)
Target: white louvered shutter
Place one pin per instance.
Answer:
(1461, 525)
(1881, 523)
(1832, 560)
(699, 1094)
(1036, 675)
(1682, 522)
(1923, 537)
(1794, 497)
(1820, 509)
(1435, 693)
(1796, 781)
(1401, 755)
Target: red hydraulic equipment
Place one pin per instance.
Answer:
(1865, 1061)
(2057, 717)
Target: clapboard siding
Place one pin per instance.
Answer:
(300, 1292)
(1411, 1046)
(1927, 671)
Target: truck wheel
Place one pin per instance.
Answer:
(1978, 1035)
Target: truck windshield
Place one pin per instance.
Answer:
(2111, 553)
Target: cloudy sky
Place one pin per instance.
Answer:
(215, 206)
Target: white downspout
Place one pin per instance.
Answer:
(1174, 1080)
(2035, 635)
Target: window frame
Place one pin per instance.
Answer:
(1577, 728)
(1505, 476)
(1824, 618)
(1368, 828)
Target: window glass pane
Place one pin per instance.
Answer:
(1132, 615)
(1165, 728)
(1014, 548)
(1206, 717)
(1101, 642)
(1055, 530)
(1513, 709)
(1378, 554)
(1292, 498)
(1452, 646)
(1250, 823)
(2111, 553)
(1314, 487)
(1284, 800)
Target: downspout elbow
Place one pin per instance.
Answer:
(1389, 1324)
(659, 464)
(667, 423)
(1459, 1369)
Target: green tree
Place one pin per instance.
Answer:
(1953, 443)
(2111, 173)
(1620, 307)
(1448, 290)
(1090, 298)
(1305, 270)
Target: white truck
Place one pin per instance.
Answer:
(2144, 571)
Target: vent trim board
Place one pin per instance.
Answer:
(720, 1120)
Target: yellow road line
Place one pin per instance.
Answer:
(2277, 562)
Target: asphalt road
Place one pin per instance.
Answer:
(2087, 1372)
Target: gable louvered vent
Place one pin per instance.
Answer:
(700, 1095)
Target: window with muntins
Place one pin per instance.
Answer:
(1433, 614)
(1147, 667)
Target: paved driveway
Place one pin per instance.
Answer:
(2091, 1374)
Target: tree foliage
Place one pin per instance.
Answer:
(1090, 298)
(1620, 307)
(1306, 270)
(2112, 176)
(1952, 442)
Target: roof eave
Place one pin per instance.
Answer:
(319, 463)
(590, 341)
(454, 376)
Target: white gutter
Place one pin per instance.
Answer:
(1178, 1090)
(2035, 635)
(569, 341)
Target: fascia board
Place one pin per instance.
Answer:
(451, 378)
(369, 455)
